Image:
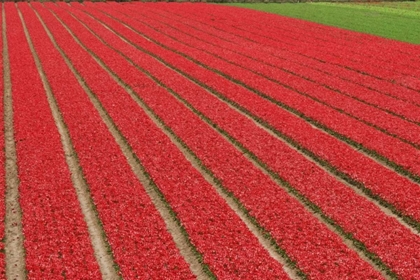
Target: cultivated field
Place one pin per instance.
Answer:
(179, 141)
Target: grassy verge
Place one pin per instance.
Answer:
(396, 20)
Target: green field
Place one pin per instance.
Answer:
(395, 20)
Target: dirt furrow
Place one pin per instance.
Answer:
(14, 249)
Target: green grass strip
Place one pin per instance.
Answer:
(414, 11)
(388, 22)
(398, 5)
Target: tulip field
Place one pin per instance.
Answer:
(193, 140)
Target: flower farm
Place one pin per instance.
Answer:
(193, 140)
